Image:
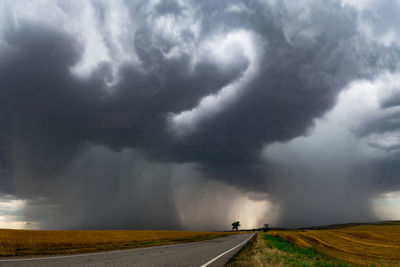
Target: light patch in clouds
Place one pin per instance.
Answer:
(387, 206)
(360, 4)
(355, 104)
(11, 213)
(237, 8)
(370, 99)
(109, 42)
(95, 50)
(386, 37)
(359, 104)
(10, 205)
(106, 40)
(379, 20)
(224, 49)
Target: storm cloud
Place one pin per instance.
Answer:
(106, 108)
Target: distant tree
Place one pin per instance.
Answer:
(235, 225)
(266, 227)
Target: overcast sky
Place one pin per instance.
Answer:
(191, 114)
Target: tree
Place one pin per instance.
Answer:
(266, 227)
(235, 225)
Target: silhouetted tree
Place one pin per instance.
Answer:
(266, 227)
(235, 225)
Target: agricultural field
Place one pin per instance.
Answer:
(358, 245)
(17, 243)
(266, 250)
(368, 244)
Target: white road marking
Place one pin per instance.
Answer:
(220, 255)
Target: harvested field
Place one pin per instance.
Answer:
(265, 251)
(368, 244)
(41, 242)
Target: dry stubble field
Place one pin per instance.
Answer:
(41, 242)
(368, 244)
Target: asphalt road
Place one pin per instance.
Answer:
(214, 252)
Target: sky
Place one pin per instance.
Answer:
(173, 114)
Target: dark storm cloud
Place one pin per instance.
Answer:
(6, 182)
(388, 172)
(49, 117)
(298, 81)
(142, 102)
(44, 108)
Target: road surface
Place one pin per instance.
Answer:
(214, 252)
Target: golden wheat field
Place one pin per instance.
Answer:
(41, 242)
(369, 244)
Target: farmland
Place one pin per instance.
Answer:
(362, 244)
(267, 250)
(40, 242)
(356, 245)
